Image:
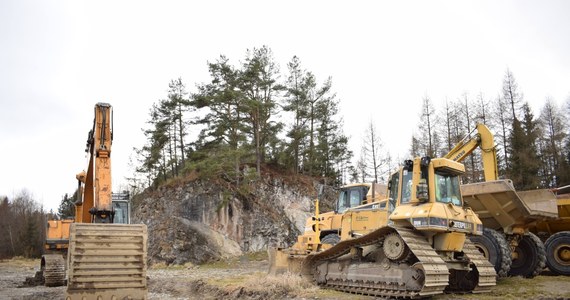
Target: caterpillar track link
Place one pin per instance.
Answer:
(53, 268)
(107, 261)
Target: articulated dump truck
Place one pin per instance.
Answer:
(508, 215)
(412, 244)
(556, 234)
(103, 255)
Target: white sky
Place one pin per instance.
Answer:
(59, 58)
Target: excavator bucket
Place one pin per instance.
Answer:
(500, 206)
(107, 261)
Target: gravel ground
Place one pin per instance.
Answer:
(248, 280)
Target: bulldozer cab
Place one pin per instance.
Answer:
(424, 182)
(351, 196)
(426, 194)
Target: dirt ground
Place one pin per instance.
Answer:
(247, 278)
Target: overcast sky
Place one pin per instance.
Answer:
(59, 58)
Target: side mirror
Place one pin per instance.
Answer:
(422, 192)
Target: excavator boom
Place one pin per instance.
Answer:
(484, 140)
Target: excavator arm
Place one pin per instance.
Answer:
(482, 139)
(94, 205)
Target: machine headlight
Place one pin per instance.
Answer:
(441, 222)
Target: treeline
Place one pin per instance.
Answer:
(245, 117)
(533, 151)
(22, 226)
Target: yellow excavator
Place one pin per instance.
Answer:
(106, 256)
(412, 244)
(507, 214)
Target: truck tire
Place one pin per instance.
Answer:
(558, 253)
(495, 248)
(331, 239)
(531, 257)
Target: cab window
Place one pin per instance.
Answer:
(342, 203)
(355, 198)
(394, 189)
(447, 189)
(350, 198)
(406, 186)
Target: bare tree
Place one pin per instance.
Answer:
(372, 155)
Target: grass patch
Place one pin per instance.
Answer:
(164, 266)
(235, 262)
(19, 261)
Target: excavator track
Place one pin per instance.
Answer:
(428, 276)
(53, 268)
(487, 274)
(107, 261)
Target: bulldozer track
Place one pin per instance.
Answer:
(54, 270)
(435, 272)
(487, 274)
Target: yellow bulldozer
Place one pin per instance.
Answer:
(411, 244)
(349, 196)
(103, 255)
(507, 215)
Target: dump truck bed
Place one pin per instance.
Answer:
(501, 207)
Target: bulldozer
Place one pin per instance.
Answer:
(349, 196)
(103, 256)
(507, 214)
(412, 244)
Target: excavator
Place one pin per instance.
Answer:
(412, 244)
(104, 256)
(507, 214)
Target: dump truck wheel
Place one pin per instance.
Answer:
(331, 239)
(558, 253)
(530, 257)
(495, 248)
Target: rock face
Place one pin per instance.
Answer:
(201, 221)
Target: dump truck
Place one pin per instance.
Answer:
(507, 214)
(412, 244)
(103, 255)
(556, 234)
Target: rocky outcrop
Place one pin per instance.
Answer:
(200, 221)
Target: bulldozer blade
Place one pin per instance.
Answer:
(281, 262)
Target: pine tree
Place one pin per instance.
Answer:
(258, 83)
(66, 209)
(525, 167)
(296, 102)
(220, 142)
